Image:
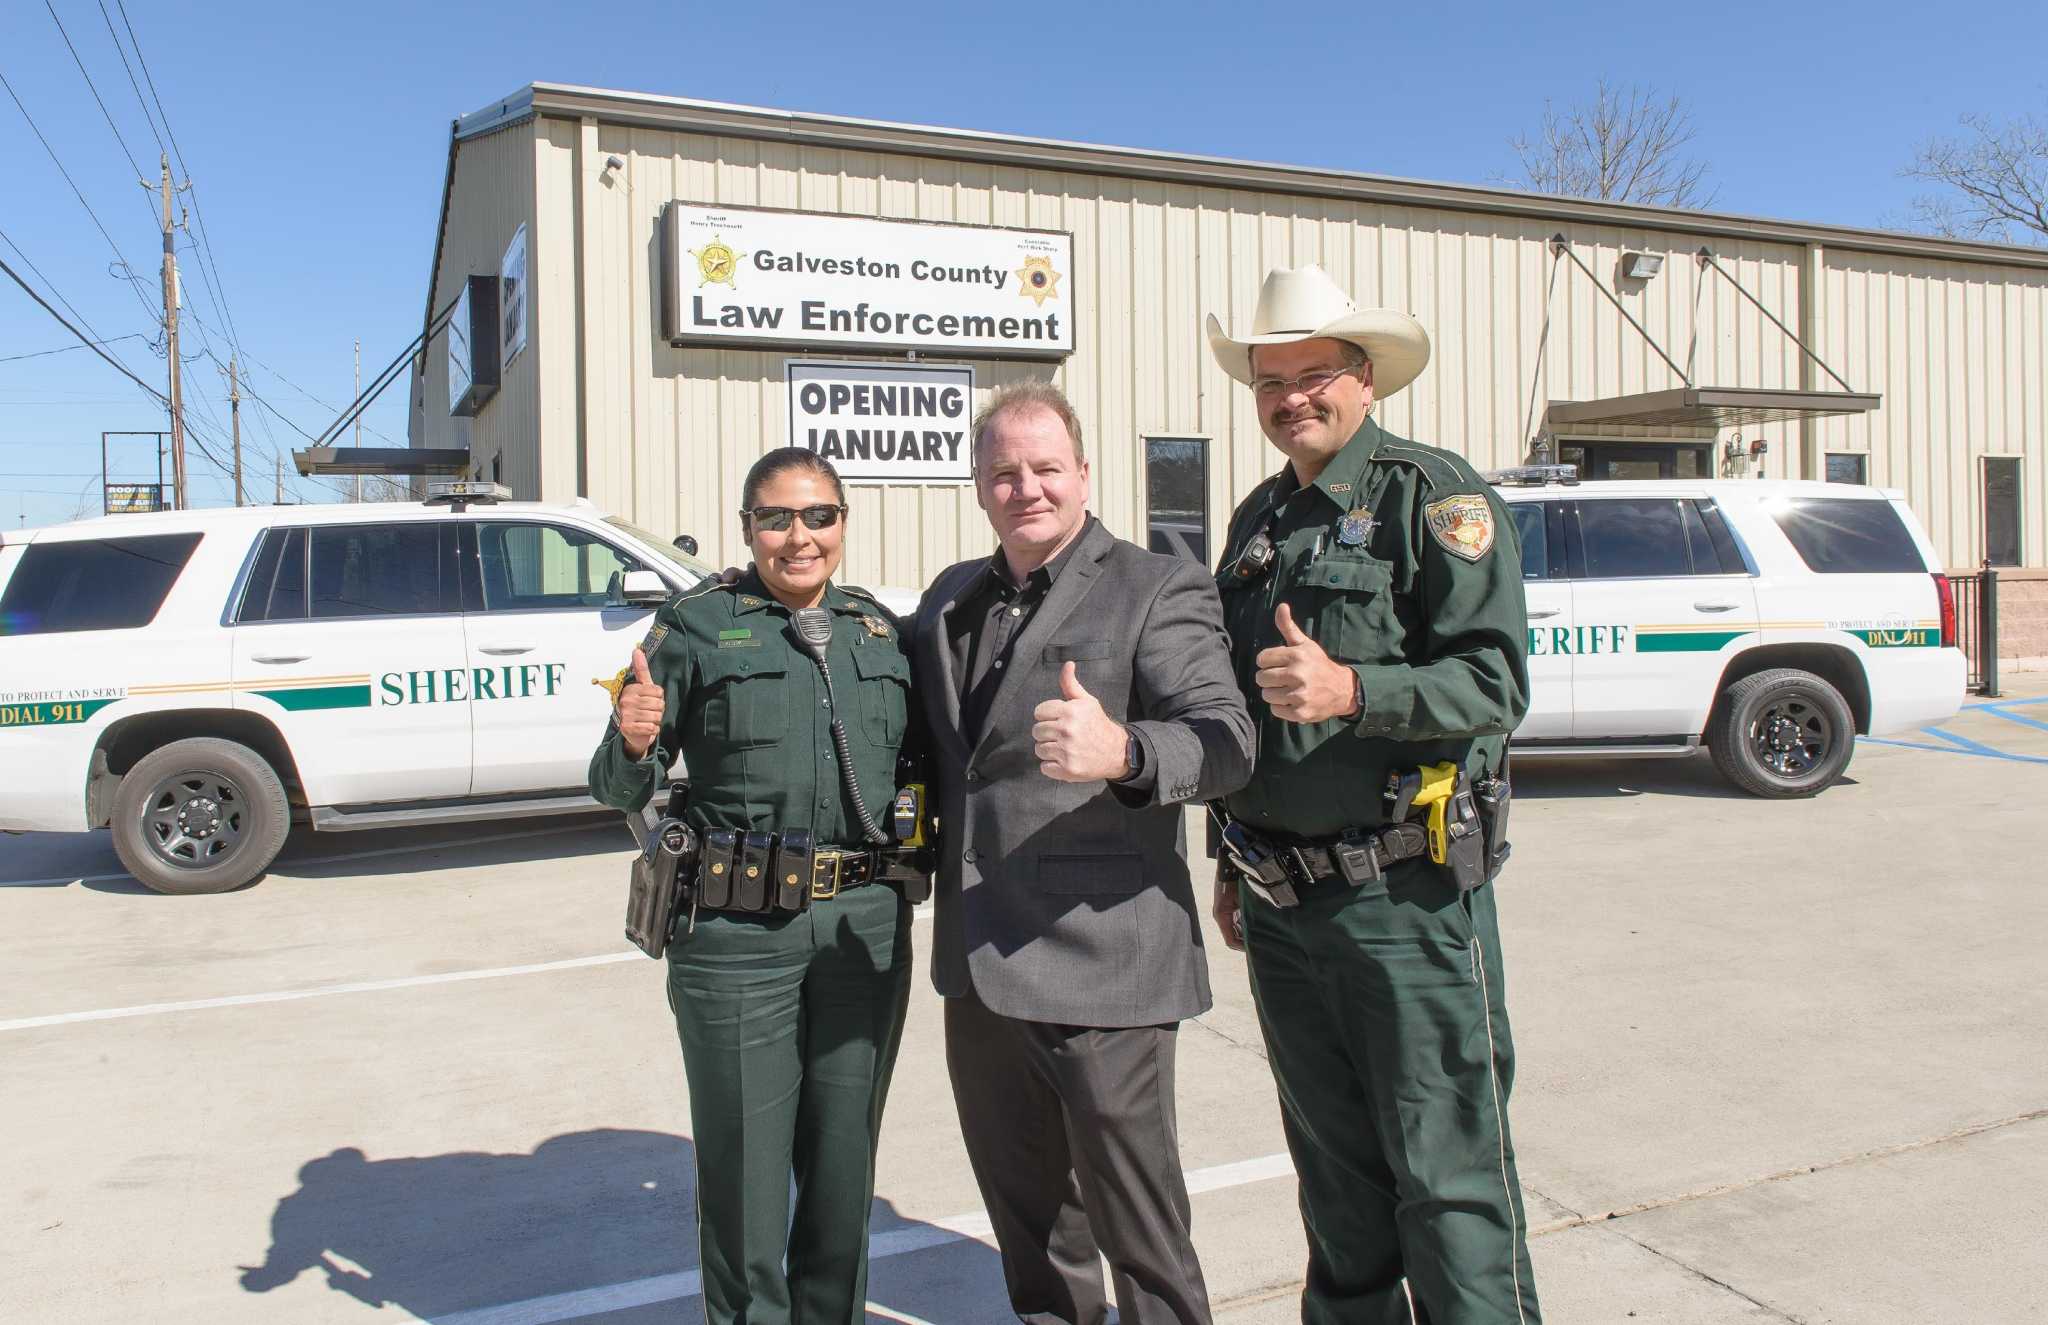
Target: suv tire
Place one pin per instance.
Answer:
(200, 816)
(1782, 733)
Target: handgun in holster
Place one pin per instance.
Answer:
(909, 864)
(1439, 795)
(660, 877)
(1256, 861)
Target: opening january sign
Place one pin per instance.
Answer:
(880, 423)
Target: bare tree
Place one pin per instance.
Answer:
(1626, 145)
(1997, 175)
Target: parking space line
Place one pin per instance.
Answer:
(921, 914)
(580, 1303)
(1954, 745)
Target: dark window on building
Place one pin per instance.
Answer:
(1535, 540)
(1843, 536)
(376, 570)
(1177, 497)
(541, 567)
(2002, 510)
(1634, 538)
(1848, 468)
(99, 584)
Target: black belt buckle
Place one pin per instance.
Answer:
(795, 857)
(826, 868)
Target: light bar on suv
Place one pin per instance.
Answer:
(461, 492)
(1532, 476)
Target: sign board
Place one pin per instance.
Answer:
(755, 276)
(134, 498)
(512, 296)
(473, 346)
(881, 423)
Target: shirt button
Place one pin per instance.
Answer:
(974, 775)
(1016, 611)
(968, 855)
(999, 664)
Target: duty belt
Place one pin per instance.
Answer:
(1278, 871)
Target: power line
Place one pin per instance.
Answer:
(91, 87)
(109, 18)
(89, 342)
(66, 349)
(58, 161)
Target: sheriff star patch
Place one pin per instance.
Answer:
(1463, 525)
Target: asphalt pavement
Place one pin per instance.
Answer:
(1778, 1061)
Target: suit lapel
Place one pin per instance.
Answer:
(1066, 594)
(938, 649)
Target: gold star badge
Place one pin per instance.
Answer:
(876, 626)
(1037, 281)
(717, 263)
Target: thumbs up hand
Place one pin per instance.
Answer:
(641, 705)
(1075, 740)
(1300, 682)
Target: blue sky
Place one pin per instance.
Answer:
(317, 138)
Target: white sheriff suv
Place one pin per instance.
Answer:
(1772, 621)
(197, 680)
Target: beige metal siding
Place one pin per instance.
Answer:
(602, 406)
(491, 196)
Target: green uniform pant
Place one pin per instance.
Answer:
(1387, 1027)
(789, 1026)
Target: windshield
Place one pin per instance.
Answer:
(656, 543)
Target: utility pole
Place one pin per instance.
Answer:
(171, 339)
(235, 416)
(279, 501)
(359, 418)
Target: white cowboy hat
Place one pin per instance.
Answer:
(1303, 303)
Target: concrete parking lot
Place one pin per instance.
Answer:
(1779, 1061)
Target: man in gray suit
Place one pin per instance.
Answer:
(1079, 690)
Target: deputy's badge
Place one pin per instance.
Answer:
(1355, 528)
(1037, 281)
(876, 626)
(717, 263)
(1463, 525)
(613, 685)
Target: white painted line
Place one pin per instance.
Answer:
(327, 991)
(321, 991)
(283, 867)
(584, 1302)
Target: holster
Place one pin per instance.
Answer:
(1494, 795)
(659, 879)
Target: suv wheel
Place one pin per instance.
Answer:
(1782, 733)
(200, 816)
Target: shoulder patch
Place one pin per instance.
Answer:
(1462, 525)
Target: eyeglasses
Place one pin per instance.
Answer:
(778, 518)
(1309, 384)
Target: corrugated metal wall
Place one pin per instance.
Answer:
(668, 433)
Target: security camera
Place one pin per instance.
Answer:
(615, 162)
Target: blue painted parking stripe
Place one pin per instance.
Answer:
(1999, 711)
(2006, 703)
(1956, 745)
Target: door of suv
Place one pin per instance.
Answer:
(539, 637)
(1660, 599)
(1540, 525)
(349, 638)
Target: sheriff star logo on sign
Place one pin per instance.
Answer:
(1462, 525)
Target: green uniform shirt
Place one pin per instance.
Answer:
(1424, 602)
(747, 716)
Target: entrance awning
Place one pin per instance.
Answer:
(1708, 407)
(393, 460)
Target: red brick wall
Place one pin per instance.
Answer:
(2022, 618)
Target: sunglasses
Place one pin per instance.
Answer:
(776, 519)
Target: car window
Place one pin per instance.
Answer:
(1535, 541)
(95, 584)
(1634, 538)
(1844, 536)
(542, 567)
(276, 590)
(375, 570)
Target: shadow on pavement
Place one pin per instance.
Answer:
(1581, 777)
(448, 1233)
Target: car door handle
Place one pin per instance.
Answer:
(1543, 612)
(505, 650)
(280, 659)
(1716, 606)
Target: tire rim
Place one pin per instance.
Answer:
(1791, 736)
(194, 821)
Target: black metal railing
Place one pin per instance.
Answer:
(1977, 626)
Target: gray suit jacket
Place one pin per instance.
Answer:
(1071, 902)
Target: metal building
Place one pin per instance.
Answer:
(1634, 340)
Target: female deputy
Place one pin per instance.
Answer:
(789, 1018)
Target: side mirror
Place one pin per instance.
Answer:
(686, 543)
(639, 588)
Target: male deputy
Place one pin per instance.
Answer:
(1079, 691)
(1374, 598)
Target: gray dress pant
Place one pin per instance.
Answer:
(1071, 1133)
